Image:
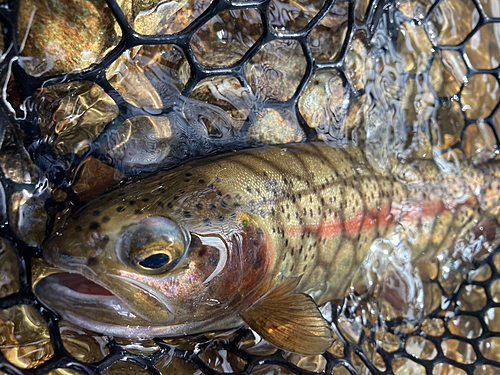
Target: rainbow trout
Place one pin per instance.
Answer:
(257, 237)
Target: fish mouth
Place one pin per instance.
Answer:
(94, 307)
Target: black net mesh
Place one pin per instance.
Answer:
(409, 78)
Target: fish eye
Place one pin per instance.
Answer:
(153, 246)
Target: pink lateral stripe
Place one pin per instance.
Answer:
(365, 222)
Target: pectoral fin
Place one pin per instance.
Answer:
(290, 321)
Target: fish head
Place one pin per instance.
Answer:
(132, 266)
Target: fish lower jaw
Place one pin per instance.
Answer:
(93, 307)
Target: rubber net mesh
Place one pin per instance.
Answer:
(111, 89)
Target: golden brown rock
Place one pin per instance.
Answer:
(324, 103)
(490, 7)
(472, 298)
(421, 348)
(93, 177)
(73, 114)
(120, 368)
(414, 48)
(60, 39)
(357, 60)
(465, 326)
(492, 319)
(450, 123)
(223, 360)
(490, 348)
(294, 15)
(24, 337)
(459, 351)
(9, 269)
(327, 38)
(15, 162)
(452, 21)
(405, 366)
(276, 70)
(484, 86)
(218, 106)
(483, 49)
(275, 126)
(448, 72)
(416, 9)
(83, 345)
(141, 141)
(162, 16)
(479, 143)
(225, 38)
(28, 217)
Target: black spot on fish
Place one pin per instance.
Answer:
(131, 203)
(217, 179)
(249, 190)
(94, 226)
(96, 213)
(221, 218)
(286, 242)
(106, 219)
(207, 222)
(236, 205)
(186, 180)
(199, 206)
(176, 198)
(264, 173)
(138, 212)
(161, 204)
(223, 204)
(187, 214)
(188, 174)
(170, 205)
(121, 194)
(212, 206)
(260, 232)
(201, 181)
(238, 197)
(92, 261)
(219, 193)
(120, 209)
(78, 228)
(300, 250)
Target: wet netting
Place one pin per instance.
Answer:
(94, 92)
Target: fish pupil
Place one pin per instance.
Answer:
(155, 261)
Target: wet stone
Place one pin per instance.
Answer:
(416, 9)
(61, 39)
(255, 345)
(142, 141)
(325, 102)
(448, 73)
(465, 326)
(492, 319)
(83, 345)
(160, 16)
(421, 348)
(28, 217)
(483, 273)
(484, 86)
(450, 122)
(93, 177)
(479, 143)
(222, 360)
(15, 162)
(387, 340)
(64, 371)
(405, 366)
(137, 346)
(490, 348)
(459, 351)
(433, 327)
(486, 370)
(288, 16)
(24, 337)
(357, 61)
(275, 126)
(150, 76)
(9, 269)
(225, 38)
(72, 115)
(218, 107)
(120, 368)
(373, 356)
(327, 38)
(495, 290)
(276, 70)
(444, 368)
(417, 103)
(490, 7)
(483, 49)
(472, 298)
(496, 259)
(452, 21)
(414, 48)
(341, 370)
(337, 348)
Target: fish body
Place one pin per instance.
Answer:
(252, 237)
